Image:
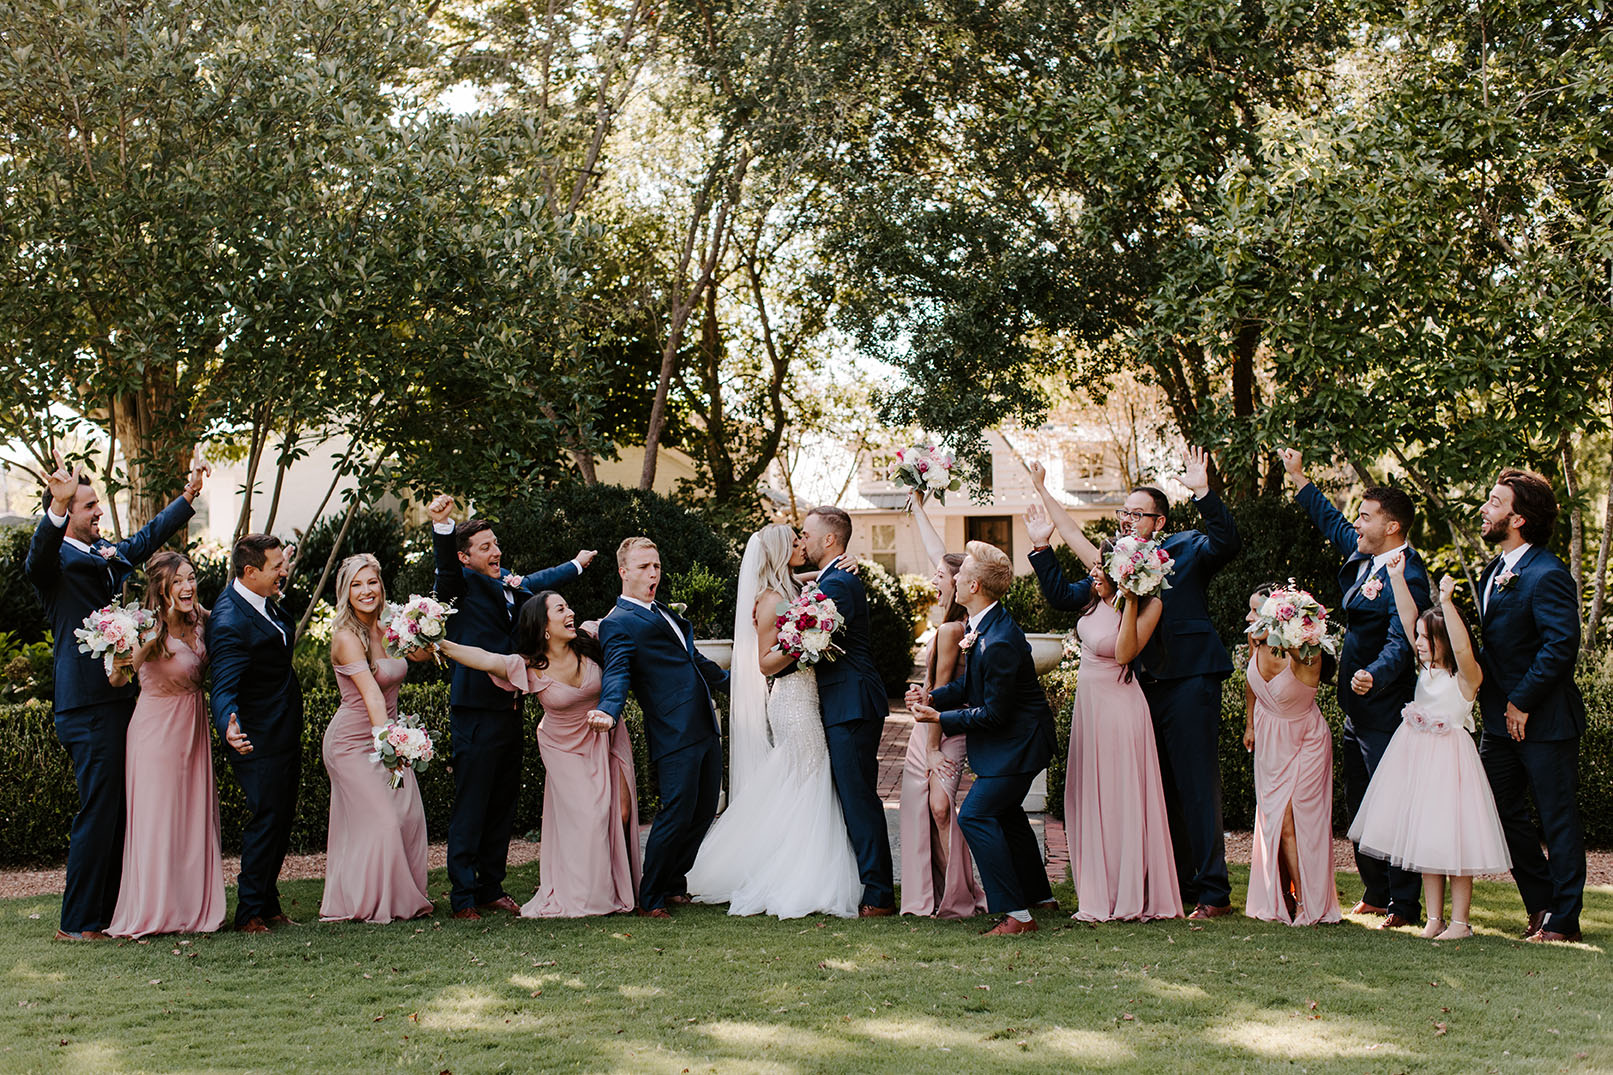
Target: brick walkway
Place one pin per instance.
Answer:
(892, 753)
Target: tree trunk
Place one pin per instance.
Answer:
(1599, 580)
(1576, 520)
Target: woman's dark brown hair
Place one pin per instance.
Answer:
(533, 635)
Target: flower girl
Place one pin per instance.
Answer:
(1429, 807)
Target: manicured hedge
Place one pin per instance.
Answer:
(38, 797)
(1237, 767)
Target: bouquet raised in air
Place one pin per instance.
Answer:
(926, 468)
(1292, 620)
(403, 744)
(417, 624)
(806, 627)
(1140, 568)
(115, 631)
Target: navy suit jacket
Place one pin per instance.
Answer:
(998, 702)
(72, 583)
(1373, 637)
(849, 687)
(484, 618)
(1061, 593)
(1531, 641)
(253, 677)
(671, 679)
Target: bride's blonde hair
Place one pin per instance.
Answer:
(777, 541)
(346, 619)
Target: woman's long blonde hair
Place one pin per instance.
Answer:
(778, 541)
(346, 619)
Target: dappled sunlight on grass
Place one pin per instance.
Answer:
(462, 1008)
(93, 1056)
(912, 1030)
(1087, 1047)
(839, 964)
(755, 1036)
(1297, 1035)
(633, 1057)
(639, 992)
(27, 972)
(1176, 992)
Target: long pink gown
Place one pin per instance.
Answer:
(589, 862)
(1293, 765)
(375, 861)
(173, 870)
(1114, 799)
(922, 876)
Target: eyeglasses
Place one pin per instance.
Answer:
(1126, 515)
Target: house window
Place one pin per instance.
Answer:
(995, 530)
(882, 540)
(1083, 470)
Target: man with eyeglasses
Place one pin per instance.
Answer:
(1181, 669)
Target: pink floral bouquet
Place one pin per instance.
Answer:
(1292, 620)
(403, 744)
(1424, 721)
(115, 631)
(806, 628)
(417, 624)
(1137, 567)
(925, 468)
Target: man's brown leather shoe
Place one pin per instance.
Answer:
(1209, 910)
(254, 925)
(469, 914)
(1046, 905)
(868, 910)
(503, 903)
(1010, 926)
(1536, 920)
(281, 920)
(1548, 936)
(1367, 908)
(87, 935)
(1395, 921)
(656, 912)
(679, 901)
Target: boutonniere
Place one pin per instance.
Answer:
(513, 581)
(1371, 588)
(680, 607)
(970, 637)
(107, 552)
(1505, 579)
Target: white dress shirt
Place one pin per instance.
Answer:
(974, 621)
(670, 622)
(259, 602)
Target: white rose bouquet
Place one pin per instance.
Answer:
(1139, 568)
(403, 744)
(417, 624)
(925, 468)
(1292, 620)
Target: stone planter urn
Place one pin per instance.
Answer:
(719, 650)
(1047, 650)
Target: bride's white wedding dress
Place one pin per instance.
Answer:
(781, 846)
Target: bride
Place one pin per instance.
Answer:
(781, 846)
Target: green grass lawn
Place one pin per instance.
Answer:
(706, 992)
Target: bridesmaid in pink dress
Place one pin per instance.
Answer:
(938, 876)
(375, 859)
(590, 859)
(173, 871)
(1114, 800)
(1291, 864)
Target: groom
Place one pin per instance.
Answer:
(650, 650)
(852, 698)
(999, 704)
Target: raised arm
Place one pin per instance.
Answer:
(1324, 516)
(1061, 594)
(43, 565)
(1469, 673)
(450, 578)
(1406, 609)
(934, 546)
(1062, 521)
(1138, 620)
(475, 657)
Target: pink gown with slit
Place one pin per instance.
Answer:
(173, 870)
(589, 860)
(1293, 766)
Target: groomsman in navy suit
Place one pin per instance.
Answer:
(852, 699)
(1181, 671)
(75, 571)
(999, 704)
(484, 720)
(1533, 713)
(257, 707)
(650, 650)
(1377, 667)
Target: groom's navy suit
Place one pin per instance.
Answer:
(1374, 641)
(484, 722)
(253, 680)
(1180, 671)
(851, 696)
(999, 704)
(92, 716)
(1531, 641)
(673, 682)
